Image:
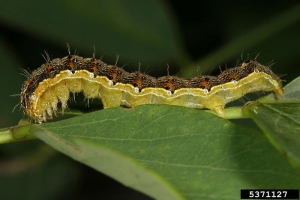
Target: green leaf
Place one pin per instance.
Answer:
(281, 124)
(128, 28)
(280, 120)
(171, 152)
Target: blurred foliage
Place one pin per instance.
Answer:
(184, 35)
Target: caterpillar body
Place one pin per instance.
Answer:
(53, 82)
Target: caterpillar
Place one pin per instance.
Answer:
(53, 82)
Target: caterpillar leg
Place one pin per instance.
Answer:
(220, 110)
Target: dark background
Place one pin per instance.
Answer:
(186, 35)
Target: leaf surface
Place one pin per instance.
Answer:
(172, 152)
(280, 120)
